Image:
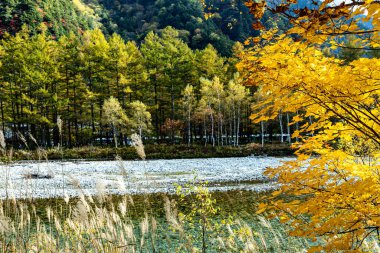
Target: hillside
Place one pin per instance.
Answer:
(229, 21)
(133, 19)
(60, 17)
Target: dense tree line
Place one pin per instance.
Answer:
(191, 95)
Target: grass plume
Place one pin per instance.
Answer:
(139, 146)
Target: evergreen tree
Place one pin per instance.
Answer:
(210, 63)
(73, 88)
(54, 91)
(94, 57)
(169, 62)
(136, 75)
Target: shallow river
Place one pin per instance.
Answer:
(72, 178)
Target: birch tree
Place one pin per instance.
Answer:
(189, 104)
(115, 116)
(140, 117)
(236, 96)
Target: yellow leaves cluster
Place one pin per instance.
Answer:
(326, 20)
(333, 187)
(331, 201)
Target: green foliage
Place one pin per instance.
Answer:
(140, 117)
(115, 116)
(134, 19)
(60, 17)
(201, 212)
(43, 79)
(220, 24)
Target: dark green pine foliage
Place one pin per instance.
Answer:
(232, 17)
(134, 19)
(60, 17)
(230, 20)
(170, 66)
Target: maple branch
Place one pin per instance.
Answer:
(360, 48)
(348, 32)
(375, 137)
(353, 4)
(365, 237)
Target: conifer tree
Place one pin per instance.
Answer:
(136, 76)
(210, 63)
(72, 87)
(94, 57)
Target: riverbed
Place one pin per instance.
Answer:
(34, 179)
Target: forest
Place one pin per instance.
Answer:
(49, 66)
(167, 90)
(225, 23)
(185, 95)
(178, 61)
(206, 74)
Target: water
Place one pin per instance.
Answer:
(72, 178)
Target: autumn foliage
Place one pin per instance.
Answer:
(331, 192)
(322, 21)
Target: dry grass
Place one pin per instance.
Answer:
(97, 224)
(101, 224)
(89, 225)
(2, 140)
(137, 143)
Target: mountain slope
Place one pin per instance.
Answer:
(60, 17)
(229, 20)
(133, 19)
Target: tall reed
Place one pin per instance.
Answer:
(191, 223)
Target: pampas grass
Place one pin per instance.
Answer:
(3, 145)
(59, 125)
(85, 225)
(138, 144)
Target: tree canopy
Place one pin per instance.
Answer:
(72, 78)
(331, 191)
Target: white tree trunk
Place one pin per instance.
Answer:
(205, 128)
(220, 121)
(281, 127)
(231, 130)
(262, 134)
(288, 128)
(189, 128)
(114, 136)
(234, 135)
(212, 129)
(238, 126)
